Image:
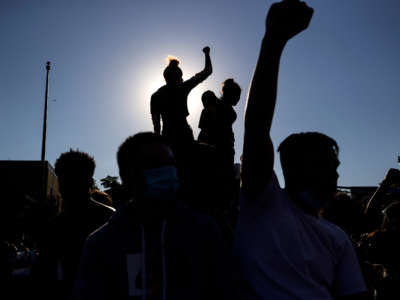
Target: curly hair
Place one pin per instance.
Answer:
(75, 162)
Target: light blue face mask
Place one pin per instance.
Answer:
(161, 183)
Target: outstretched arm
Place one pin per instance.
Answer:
(284, 20)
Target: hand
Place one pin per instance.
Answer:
(206, 50)
(287, 18)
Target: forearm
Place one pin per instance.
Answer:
(156, 123)
(207, 64)
(263, 89)
(258, 150)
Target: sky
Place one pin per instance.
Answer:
(340, 76)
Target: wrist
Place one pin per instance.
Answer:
(273, 42)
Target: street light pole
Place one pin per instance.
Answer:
(45, 111)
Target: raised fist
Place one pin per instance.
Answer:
(206, 50)
(287, 18)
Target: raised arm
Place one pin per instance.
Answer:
(201, 76)
(284, 20)
(207, 64)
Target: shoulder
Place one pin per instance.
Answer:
(338, 236)
(269, 190)
(102, 209)
(157, 94)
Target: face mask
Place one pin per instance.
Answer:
(312, 199)
(161, 183)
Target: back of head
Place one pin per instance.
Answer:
(75, 170)
(172, 73)
(231, 91)
(208, 99)
(307, 157)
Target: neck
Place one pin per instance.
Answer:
(297, 198)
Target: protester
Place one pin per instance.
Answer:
(169, 103)
(208, 119)
(283, 248)
(226, 116)
(152, 248)
(62, 243)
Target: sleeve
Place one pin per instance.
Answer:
(348, 277)
(90, 281)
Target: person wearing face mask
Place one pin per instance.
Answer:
(283, 248)
(152, 248)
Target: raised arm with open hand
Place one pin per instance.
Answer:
(284, 20)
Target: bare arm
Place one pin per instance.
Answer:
(201, 76)
(155, 117)
(284, 20)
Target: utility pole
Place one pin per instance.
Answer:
(45, 112)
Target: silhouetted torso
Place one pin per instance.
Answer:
(62, 246)
(170, 101)
(225, 140)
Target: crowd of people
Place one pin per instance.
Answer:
(183, 226)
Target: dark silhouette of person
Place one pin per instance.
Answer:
(168, 104)
(204, 187)
(283, 248)
(226, 116)
(379, 200)
(65, 235)
(208, 119)
(379, 249)
(347, 213)
(152, 248)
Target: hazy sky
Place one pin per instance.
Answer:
(340, 77)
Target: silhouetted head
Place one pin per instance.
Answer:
(172, 73)
(75, 170)
(309, 164)
(391, 217)
(231, 91)
(147, 169)
(209, 99)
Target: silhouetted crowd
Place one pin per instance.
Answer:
(187, 223)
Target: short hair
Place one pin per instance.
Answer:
(172, 68)
(130, 149)
(75, 162)
(230, 87)
(299, 147)
(208, 98)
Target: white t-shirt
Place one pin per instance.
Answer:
(282, 253)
